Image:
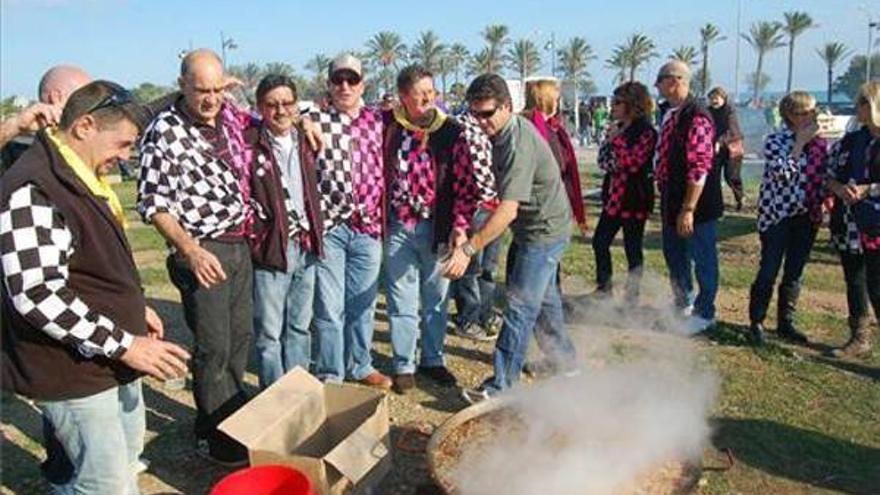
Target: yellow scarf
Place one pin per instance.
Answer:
(96, 185)
(422, 133)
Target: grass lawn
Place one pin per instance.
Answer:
(794, 421)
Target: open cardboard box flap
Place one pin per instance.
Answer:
(361, 412)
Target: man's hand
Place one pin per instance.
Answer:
(157, 358)
(684, 224)
(456, 265)
(313, 134)
(206, 267)
(38, 116)
(155, 328)
(584, 228)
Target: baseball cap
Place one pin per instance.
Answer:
(346, 62)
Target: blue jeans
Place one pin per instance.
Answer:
(282, 315)
(416, 295)
(103, 436)
(474, 293)
(694, 255)
(346, 285)
(534, 303)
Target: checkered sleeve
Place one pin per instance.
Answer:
(464, 186)
(157, 182)
(631, 158)
(605, 157)
(36, 246)
(700, 149)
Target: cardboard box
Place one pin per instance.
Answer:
(336, 434)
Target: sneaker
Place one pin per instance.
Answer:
(376, 380)
(792, 334)
(696, 324)
(687, 310)
(475, 395)
(439, 374)
(403, 382)
(235, 458)
(493, 325)
(473, 331)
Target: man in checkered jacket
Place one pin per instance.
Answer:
(429, 164)
(351, 192)
(76, 333)
(194, 187)
(690, 197)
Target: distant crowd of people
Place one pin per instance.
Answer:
(281, 228)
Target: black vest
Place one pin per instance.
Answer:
(710, 206)
(440, 144)
(102, 274)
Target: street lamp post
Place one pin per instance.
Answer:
(871, 27)
(226, 44)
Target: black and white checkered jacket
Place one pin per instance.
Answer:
(181, 175)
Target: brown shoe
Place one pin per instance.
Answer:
(404, 382)
(377, 380)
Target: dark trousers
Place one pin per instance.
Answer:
(862, 273)
(221, 320)
(789, 241)
(633, 234)
(733, 175)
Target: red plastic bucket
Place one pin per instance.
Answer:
(264, 480)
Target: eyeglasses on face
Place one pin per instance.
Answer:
(345, 77)
(484, 114)
(278, 105)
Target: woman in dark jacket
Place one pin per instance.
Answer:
(728, 142)
(626, 156)
(854, 178)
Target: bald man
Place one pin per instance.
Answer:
(55, 87)
(690, 192)
(194, 187)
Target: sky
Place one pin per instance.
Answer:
(135, 41)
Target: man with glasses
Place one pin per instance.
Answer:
(690, 197)
(429, 161)
(287, 231)
(533, 202)
(195, 188)
(352, 190)
(76, 333)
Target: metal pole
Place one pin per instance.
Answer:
(553, 54)
(871, 26)
(223, 49)
(738, 38)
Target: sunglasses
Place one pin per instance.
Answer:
(862, 101)
(117, 97)
(278, 105)
(345, 77)
(484, 114)
(804, 112)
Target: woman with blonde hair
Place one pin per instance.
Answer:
(789, 212)
(626, 156)
(542, 109)
(854, 178)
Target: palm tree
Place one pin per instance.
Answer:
(524, 58)
(480, 62)
(635, 52)
(573, 59)
(428, 51)
(319, 64)
(385, 49)
(456, 56)
(795, 24)
(832, 54)
(686, 54)
(496, 39)
(709, 34)
(617, 63)
(764, 37)
(279, 68)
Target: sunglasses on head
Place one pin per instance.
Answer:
(117, 97)
(484, 114)
(345, 77)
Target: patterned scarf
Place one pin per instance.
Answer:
(420, 133)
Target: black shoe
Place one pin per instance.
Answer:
(439, 374)
(792, 334)
(231, 456)
(403, 382)
(756, 332)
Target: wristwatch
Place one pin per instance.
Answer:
(468, 249)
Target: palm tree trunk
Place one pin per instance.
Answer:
(757, 79)
(829, 84)
(632, 73)
(704, 74)
(790, 65)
